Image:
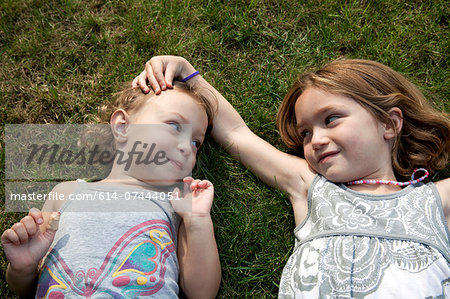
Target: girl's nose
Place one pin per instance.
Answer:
(184, 146)
(319, 138)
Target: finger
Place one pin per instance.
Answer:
(188, 179)
(37, 215)
(194, 184)
(170, 72)
(203, 184)
(54, 221)
(151, 78)
(157, 71)
(135, 82)
(10, 236)
(21, 232)
(30, 225)
(207, 183)
(153, 83)
(142, 82)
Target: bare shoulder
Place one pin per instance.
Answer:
(443, 188)
(60, 191)
(66, 188)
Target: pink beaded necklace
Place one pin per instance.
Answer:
(388, 182)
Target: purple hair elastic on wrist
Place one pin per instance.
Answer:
(190, 76)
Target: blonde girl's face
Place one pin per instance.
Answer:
(176, 125)
(341, 139)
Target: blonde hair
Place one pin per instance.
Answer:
(131, 99)
(424, 140)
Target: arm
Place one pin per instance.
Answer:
(277, 169)
(198, 257)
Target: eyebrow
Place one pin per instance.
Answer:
(180, 116)
(321, 111)
(187, 123)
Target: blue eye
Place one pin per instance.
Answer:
(196, 143)
(331, 118)
(176, 126)
(305, 133)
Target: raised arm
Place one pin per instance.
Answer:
(277, 169)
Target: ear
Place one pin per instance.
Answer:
(119, 125)
(392, 129)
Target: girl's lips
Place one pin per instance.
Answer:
(177, 164)
(327, 156)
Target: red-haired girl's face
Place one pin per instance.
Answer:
(341, 139)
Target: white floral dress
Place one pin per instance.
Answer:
(355, 245)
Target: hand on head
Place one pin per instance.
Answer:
(160, 71)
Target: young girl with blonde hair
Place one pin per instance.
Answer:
(135, 238)
(362, 231)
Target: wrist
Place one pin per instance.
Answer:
(187, 69)
(197, 220)
(24, 270)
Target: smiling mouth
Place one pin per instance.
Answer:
(177, 164)
(327, 156)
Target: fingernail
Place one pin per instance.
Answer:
(163, 87)
(40, 221)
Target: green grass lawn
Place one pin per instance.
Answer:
(61, 59)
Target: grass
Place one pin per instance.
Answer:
(62, 59)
